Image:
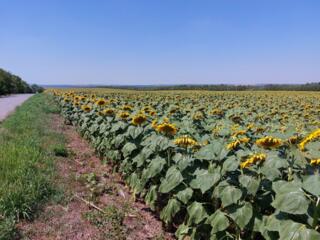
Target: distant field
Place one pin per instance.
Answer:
(218, 165)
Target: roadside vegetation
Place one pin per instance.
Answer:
(10, 83)
(27, 148)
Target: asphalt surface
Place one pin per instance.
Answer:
(9, 103)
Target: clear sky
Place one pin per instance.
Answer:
(161, 41)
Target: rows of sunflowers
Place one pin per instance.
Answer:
(216, 165)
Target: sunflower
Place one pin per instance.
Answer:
(315, 162)
(127, 108)
(124, 115)
(167, 128)
(293, 140)
(86, 108)
(240, 132)
(152, 113)
(217, 112)
(253, 159)
(166, 120)
(233, 145)
(108, 112)
(154, 124)
(139, 119)
(101, 102)
(244, 140)
(185, 141)
(173, 110)
(268, 142)
(312, 136)
(250, 126)
(67, 100)
(198, 116)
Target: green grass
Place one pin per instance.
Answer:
(28, 146)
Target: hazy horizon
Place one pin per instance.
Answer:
(122, 42)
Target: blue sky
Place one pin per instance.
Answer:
(161, 42)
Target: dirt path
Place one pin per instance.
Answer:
(97, 204)
(9, 103)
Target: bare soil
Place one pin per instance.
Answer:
(96, 204)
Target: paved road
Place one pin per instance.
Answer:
(9, 103)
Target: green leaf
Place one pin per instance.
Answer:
(173, 178)
(283, 186)
(270, 173)
(182, 161)
(151, 197)
(230, 195)
(185, 195)
(218, 221)
(241, 215)
(221, 236)
(204, 181)
(155, 167)
(119, 140)
(170, 210)
(290, 230)
(197, 213)
(128, 148)
(206, 152)
(135, 132)
(272, 223)
(274, 161)
(250, 183)
(182, 231)
(231, 164)
(312, 184)
(290, 198)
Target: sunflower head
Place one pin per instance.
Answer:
(139, 119)
(101, 102)
(198, 116)
(185, 141)
(269, 142)
(152, 113)
(86, 108)
(315, 162)
(293, 140)
(312, 136)
(67, 100)
(233, 145)
(217, 112)
(167, 128)
(154, 124)
(166, 120)
(109, 112)
(250, 126)
(239, 132)
(127, 108)
(124, 115)
(253, 159)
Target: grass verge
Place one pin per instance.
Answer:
(27, 148)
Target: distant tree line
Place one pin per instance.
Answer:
(224, 87)
(10, 83)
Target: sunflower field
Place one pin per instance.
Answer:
(214, 165)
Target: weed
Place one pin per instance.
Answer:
(110, 222)
(60, 151)
(26, 163)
